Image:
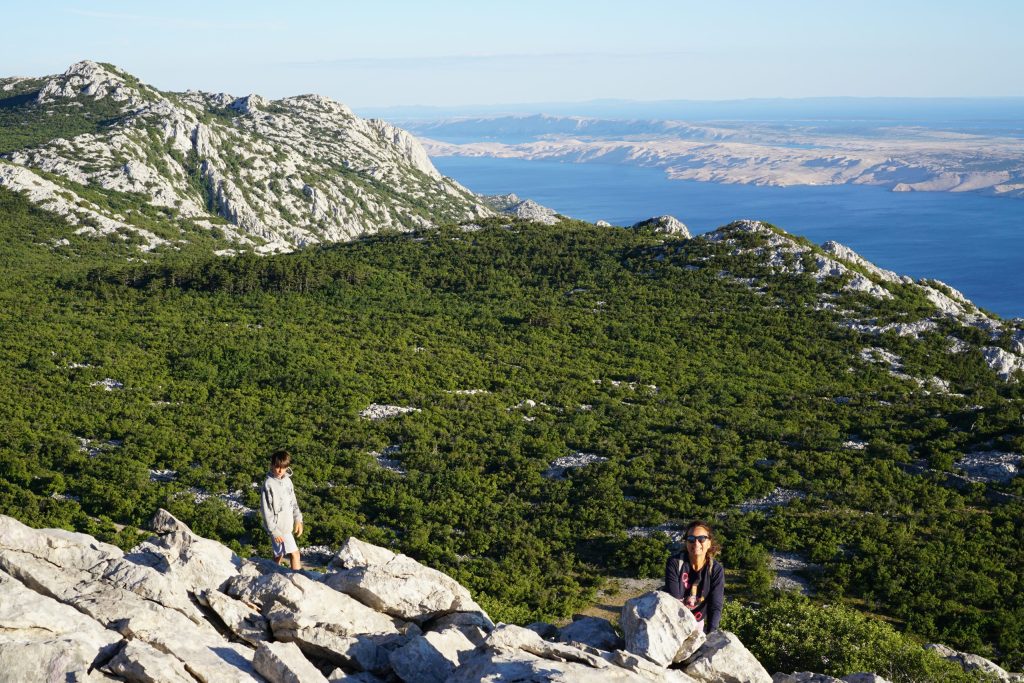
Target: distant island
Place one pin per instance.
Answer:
(903, 155)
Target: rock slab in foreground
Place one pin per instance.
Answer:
(285, 663)
(724, 659)
(592, 631)
(660, 628)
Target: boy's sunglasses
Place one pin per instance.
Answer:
(694, 539)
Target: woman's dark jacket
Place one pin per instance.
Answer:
(710, 592)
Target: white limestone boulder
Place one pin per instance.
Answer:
(192, 561)
(43, 639)
(397, 584)
(285, 663)
(660, 628)
(724, 659)
(668, 225)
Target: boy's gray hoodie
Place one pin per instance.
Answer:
(278, 505)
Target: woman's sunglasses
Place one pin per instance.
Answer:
(694, 539)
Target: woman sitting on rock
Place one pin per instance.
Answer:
(695, 578)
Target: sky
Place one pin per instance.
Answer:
(378, 53)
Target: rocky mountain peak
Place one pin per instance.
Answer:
(668, 225)
(256, 174)
(87, 78)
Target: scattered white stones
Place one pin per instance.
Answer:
(231, 499)
(671, 529)
(914, 329)
(380, 411)
(788, 568)
(779, 496)
(855, 445)
(94, 448)
(108, 384)
(1004, 363)
(468, 392)
(385, 460)
(559, 466)
(162, 476)
(958, 345)
(627, 384)
(895, 365)
(991, 466)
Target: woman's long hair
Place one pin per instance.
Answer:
(715, 548)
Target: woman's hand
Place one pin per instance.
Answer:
(298, 529)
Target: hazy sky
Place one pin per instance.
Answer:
(449, 52)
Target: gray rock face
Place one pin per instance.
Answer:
(431, 657)
(397, 584)
(285, 663)
(195, 562)
(511, 638)
(139, 661)
(657, 626)
(668, 225)
(592, 631)
(864, 678)
(723, 659)
(244, 622)
(39, 634)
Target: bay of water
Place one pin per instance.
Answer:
(971, 242)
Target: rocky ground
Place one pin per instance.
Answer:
(181, 608)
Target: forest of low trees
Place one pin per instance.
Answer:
(699, 390)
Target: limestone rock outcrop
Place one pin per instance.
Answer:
(180, 608)
(723, 659)
(666, 225)
(267, 176)
(397, 584)
(525, 209)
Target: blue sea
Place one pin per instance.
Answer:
(973, 243)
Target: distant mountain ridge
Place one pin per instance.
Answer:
(902, 156)
(253, 173)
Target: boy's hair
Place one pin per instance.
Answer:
(280, 458)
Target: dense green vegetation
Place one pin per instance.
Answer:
(25, 122)
(700, 391)
(790, 633)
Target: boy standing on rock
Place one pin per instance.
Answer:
(280, 510)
